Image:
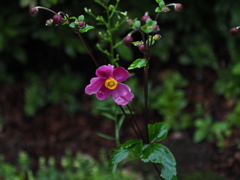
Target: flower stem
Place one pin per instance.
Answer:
(136, 132)
(146, 99)
(86, 46)
(134, 119)
(40, 7)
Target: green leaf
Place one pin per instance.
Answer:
(236, 69)
(137, 25)
(73, 17)
(81, 18)
(157, 132)
(161, 4)
(158, 9)
(160, 154)
(119, 155)
(129, 143)
(86, 29)
(138, 63)
(105, 136)
(108, 115)
(72, 25)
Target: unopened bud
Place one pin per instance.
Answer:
(49, 22)
(130, 22)
(144, 19)
(155, 28)
(81, 24)
(233, 31)
(178, 7)
(128, 40)
(142, 48)
(165, 9)
(57, 19)
(156, 37)
(33, 11)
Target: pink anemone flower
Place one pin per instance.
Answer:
(108, 82)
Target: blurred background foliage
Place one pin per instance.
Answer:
(194, 66)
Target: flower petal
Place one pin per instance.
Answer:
(94, 86)
(120, 74)
(103, 93)
(122, 94)
(105, 71)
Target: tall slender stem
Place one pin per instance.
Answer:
(86, 46)
(146, 99)
(136, 132)
(134, 119)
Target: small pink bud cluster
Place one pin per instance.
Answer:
(234, 31)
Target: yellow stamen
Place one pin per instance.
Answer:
(111, 83)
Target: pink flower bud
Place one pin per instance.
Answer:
(130, 21)
(82, 24)
(144, 19)
(57, 19)
(142, 48)
(128, 40)
(49, 22)
(178, 7)
(33, 11)
(233, 31)
(155, 28)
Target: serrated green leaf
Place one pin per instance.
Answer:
(72, 25)
(119, 155)
(86, 29)
(105, 136)
(137, 148)
(157, 132)
(138, 63)
(129, 143)
(81, 17)
(160, 154)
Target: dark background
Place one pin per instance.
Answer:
(44, 70)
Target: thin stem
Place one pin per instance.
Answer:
(40, 7)
(130, 122)
(146, 99)
(158, 171)
(86, 46)
(134, 119)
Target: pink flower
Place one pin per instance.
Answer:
(109, 83)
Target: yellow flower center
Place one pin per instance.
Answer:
(111, 83)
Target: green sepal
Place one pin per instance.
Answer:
(160, 154)
(81, 17)
(147, 27)
(86, 29)
(161, 4)
(137, 24)
(73, 17)
(72, 25)
(138, 63)
(157, 132)
(158, 9)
